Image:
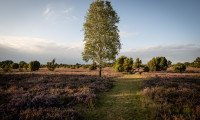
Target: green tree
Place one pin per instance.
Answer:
(137, 64)
(51, 65)
(179, 67)
(6, 62)
(78, 65)
(14, 65)
(128, 63)
(197, 62)
(169, 63)
(101, 35)
(187, 64)
(34, 65)
(119, 65)
(22, 64)
(93, 66)
(157, 64)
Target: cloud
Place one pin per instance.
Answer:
(126, 34)
(24, 48)
(48, 12)
(175, 53)
(67, 10)
(28, 49)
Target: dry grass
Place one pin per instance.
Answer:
(106, 72)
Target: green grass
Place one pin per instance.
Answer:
(123, 102)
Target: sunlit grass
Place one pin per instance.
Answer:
(123, 102)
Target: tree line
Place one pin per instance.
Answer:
(35, 65)
(122, 64)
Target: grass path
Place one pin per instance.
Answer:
(123, 102)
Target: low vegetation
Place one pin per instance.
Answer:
(34, 96)
(34, 65)
(93, 66)
(179, 67)
(176, 98)
(51, 65)
(123, 64)
(157, 64)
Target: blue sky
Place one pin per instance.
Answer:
(42, 30)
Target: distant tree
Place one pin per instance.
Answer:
(22, 64)
(6, 62)
(169, 63)
(157, 64)
(26, 66)
(187, 64)
(51, 65)
(197, 62)
(72, 66)
(119, 65)
(179, 67)
(137, 64)
(93, 66)
(14, 65)
(78, 65)
(34, 65)
(101, 35)
(146, 69)
(6, 68)
(128, 63)
(152, 65)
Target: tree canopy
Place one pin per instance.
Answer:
(101, 34)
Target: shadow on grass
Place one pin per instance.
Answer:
(122, 102)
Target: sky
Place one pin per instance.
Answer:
(46, 29)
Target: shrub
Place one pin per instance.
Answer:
(197, 62)
(179, 67)
(14, 66)
(85, 66)
(72, 67)
(119, 68)
(51, 66)
(119, 64)
(169, 63)
(146, 69)
(77, 65)
(34, 65)
(6, 62)
(21, 64)
(137, 63)
(157, 64)
(128, 63)
(93, 66)
(26, 66)
(6, 68)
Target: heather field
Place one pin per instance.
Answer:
(80, 94)
(175, 96)
(49, 95)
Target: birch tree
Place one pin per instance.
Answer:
(101, 34)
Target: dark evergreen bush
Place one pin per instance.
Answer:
(119, 64)
(146, 69)
(157, 64)
(14, 65)
(6, 68)
(179, 67)
(93, 66)
(51, 65)
(119, 68)
(22, 64)
(128, 63)
(34, 65)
